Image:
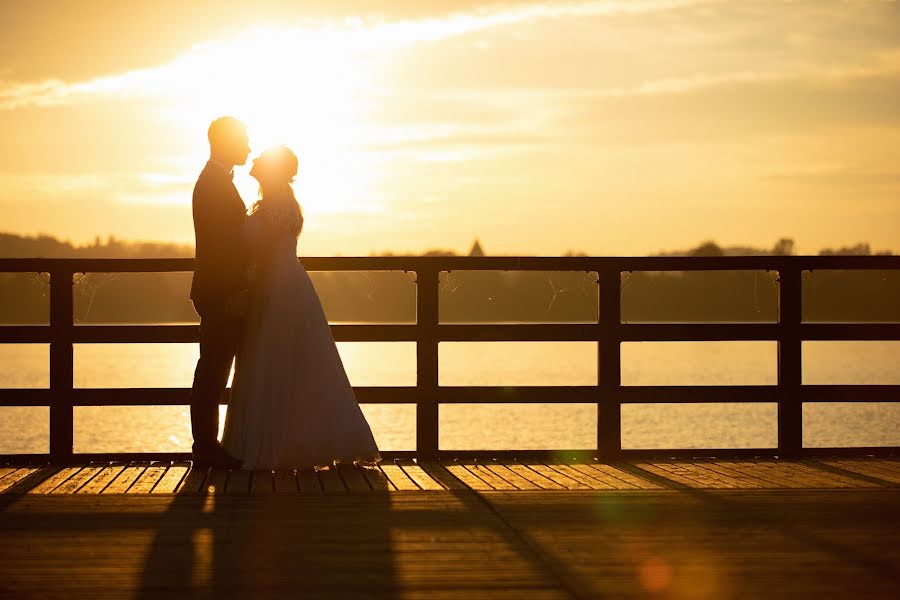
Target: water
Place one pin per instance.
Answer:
(518, 426)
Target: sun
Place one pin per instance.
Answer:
(307, 89)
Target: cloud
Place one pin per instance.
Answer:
(356, 36)
(829, 179)
(727, 109)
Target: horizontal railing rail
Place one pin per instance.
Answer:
(789, 331)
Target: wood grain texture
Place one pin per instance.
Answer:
(439, 473)
(171, 481)
(126, 478)
(149, 478)
(54, 480)
(525, 472)
(469, 473)
(353, 479)
(194, 482)
(459, 544)
(376, 479)
(100, 481)
(78, 480)
(419, 475)
(398, 477)
(870, 468)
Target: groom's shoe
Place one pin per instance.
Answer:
(217, 458)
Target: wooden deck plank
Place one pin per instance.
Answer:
(170, 481)
(126, 478)
(331, 481)
(149, 478)
(835, 479)
(725, 543)
(808, 477)
(54, 480)
(845, 480)
(509, 475)
(701, 476)
(788, 472)
(740, 479)
(553, 474)
(655, 469)
(308, 481)
(375, 477)
(613, 482)
(194, 482)
(889, 468)
(889, 464)
(238, 483)
(592, 482)
(884, 465)
(614, 472)
(437, 471)
(422, 478)
(102, 479)
(81, 478)
(762, 474)
(732, 543)
(466, 476)
(286, 482)
(262, 482)
(417, 545)
(482, 472)
(353, 478)
(216, 480)
(4, 471)
(531, 475)
(398, 477)
(865, 468)
(477, 474)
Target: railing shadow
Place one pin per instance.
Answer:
(270, 546)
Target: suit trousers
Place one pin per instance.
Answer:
(220, 335)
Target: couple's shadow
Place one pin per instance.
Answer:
(280, 545)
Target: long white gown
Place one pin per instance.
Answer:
(292, 405)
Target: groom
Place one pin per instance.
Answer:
(219, 288)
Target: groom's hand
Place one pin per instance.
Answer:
(238, 304)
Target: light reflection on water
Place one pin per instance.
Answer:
(494, 426)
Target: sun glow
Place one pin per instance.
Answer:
(307, 89)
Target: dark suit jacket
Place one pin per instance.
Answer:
(221, 256)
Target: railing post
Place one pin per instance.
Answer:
(790, 407)
(61, 365)
(427, 362)
(609, 372)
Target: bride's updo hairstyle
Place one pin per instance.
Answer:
(275, 170)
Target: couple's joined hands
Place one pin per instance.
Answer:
(237, 304)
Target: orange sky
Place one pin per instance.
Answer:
(609, 127)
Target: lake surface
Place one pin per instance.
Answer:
(515, 426)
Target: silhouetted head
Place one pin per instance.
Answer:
(275, 168)
(228, 141)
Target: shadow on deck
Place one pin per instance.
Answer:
(473, 529)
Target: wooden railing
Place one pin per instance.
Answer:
(427, 332)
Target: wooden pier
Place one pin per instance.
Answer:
(611, 522)
(469, 528)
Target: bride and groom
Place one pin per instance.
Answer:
(291, 405)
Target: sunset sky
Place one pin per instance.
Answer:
(609, 127)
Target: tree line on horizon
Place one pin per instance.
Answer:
(465, 296)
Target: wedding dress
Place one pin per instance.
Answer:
(292, 405)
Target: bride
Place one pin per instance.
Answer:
(292, 405)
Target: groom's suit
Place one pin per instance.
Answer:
(219, 274)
